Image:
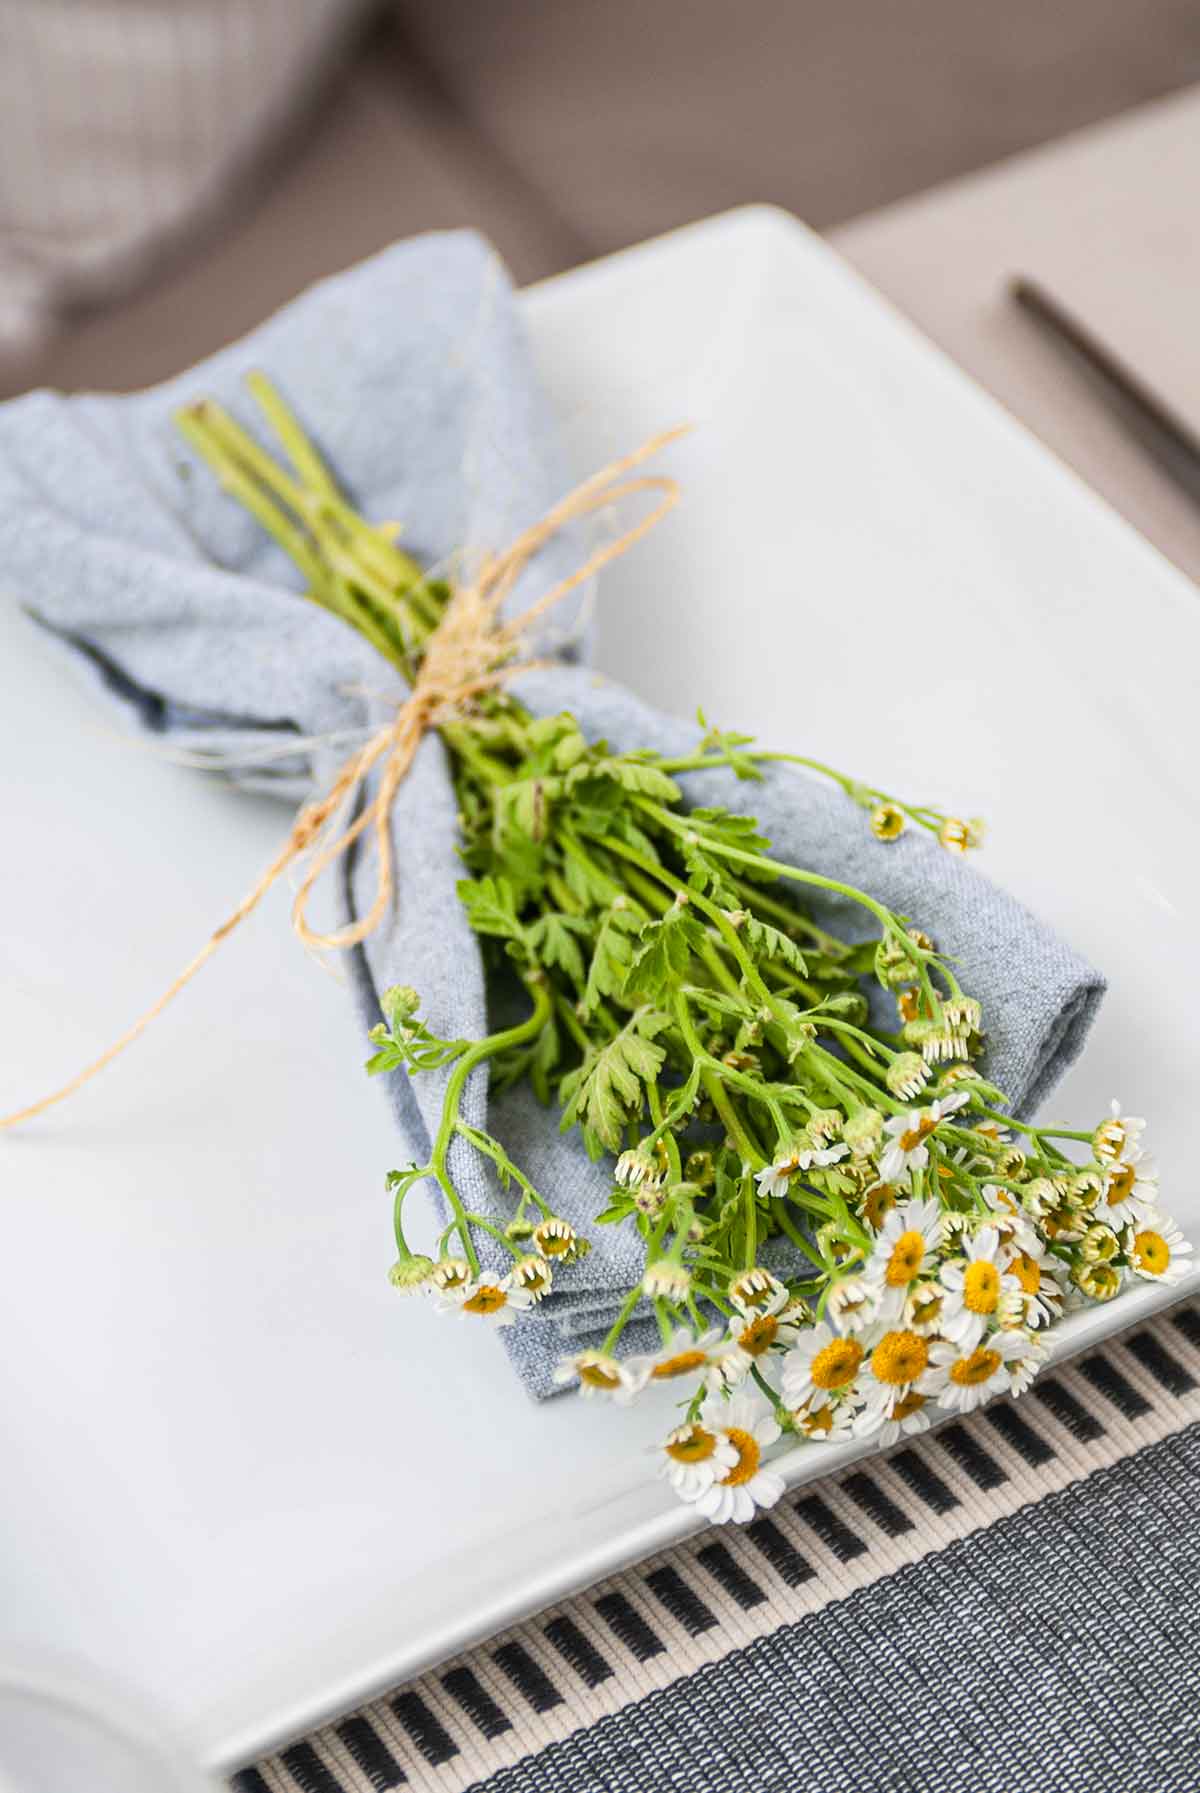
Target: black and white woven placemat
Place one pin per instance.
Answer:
(1011, 1603)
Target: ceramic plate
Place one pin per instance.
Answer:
(242, 1475)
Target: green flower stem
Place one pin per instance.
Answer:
(711, 1077)
(664, 1129)
(1008, 1120)
(402, 1189)
(864, 795)
(791, 1232)
(622, 1320)
(470, 1060)
(487, 1226)
(754, 896)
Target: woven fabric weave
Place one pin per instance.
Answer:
(1010, 1604)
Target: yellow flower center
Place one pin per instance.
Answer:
(553, 1245)
(815, 1424)
(691, 1444)
(1152, 1252)
(598, 1375)
(487, 1299)
(899, 1357)
(836, 1364)
(907, 1256)
(887, 821)
(981, 1287)
(909, 1404)
(681, 1364)
(1027, 1272)
(925, 1308)
(750, 1292)
(877, 1203)
(1121, 1182)
(759, 1335)
(969, 1372)
(746, 1467)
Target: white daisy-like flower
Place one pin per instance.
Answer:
(1040, 1276)
(820, 1365)
(753, 1336)
(598, 1373)
(904, 1252)
(693, 1456)
(829, 1424)
(495, 1299)
(964, 1380)
(907, 1076)
(557, 1240)
(923, 1307)
(975, 1285)
(667, 1281)
(636, 1168)
(1130, 1193)
(907, 1134)
(892, 1413)
(1022, 1370)
(683, 1355)
(1157, 1250)
(534, 1274)
(748, 1424)
(852, 1303)
(450, 1275)
(1010, 1220)
(1119, 1136)
(758, 1292)
(774, 1178)
(876, 1204)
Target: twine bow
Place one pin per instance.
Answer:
(473, 649)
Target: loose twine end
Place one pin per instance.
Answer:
(473, 649)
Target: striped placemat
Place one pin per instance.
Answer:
(1012, 1601)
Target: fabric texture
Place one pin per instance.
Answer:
(1006, 1603)
(412, 376)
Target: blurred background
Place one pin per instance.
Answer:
(173, 170)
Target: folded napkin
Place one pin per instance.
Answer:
(412, 377)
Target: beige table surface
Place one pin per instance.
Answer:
(1109, 221)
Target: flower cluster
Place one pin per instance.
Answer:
(770, 1093)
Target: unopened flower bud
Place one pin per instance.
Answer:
(399, 1004)
(864, 1130)
(907, 1076)
(411, 1273)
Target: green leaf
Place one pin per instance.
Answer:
(632, 772)
(619, 1208)
(554, 941)
(766, 942)
(606, 1092)
(491, 907)
(664, 955)
(544, 1061)
(727, 743)
(611, 955)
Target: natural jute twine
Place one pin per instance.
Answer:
(472, 650)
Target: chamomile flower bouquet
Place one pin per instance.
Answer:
(844, 1232)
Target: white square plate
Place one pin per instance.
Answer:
(241, 1473)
